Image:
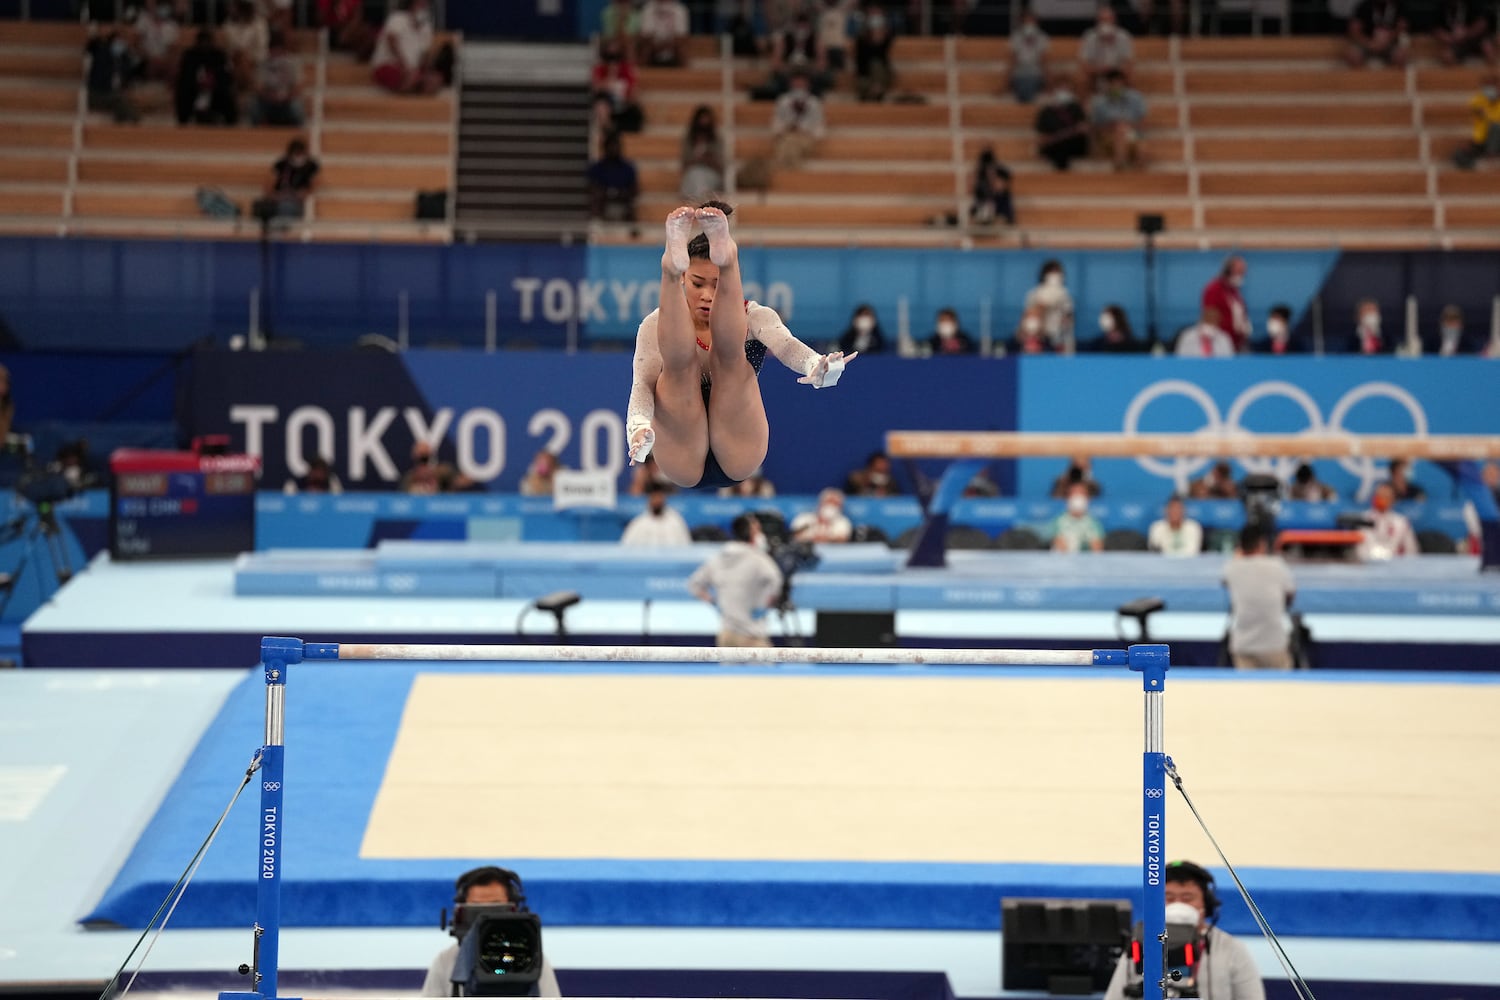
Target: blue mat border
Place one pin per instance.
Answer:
(352, 891)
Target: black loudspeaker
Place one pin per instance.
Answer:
(855, 629)
(1063, 946)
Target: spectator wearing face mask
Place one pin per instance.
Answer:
(1224, 294)
(827, 523)
(1115, 333)
(1367, 336)
(658, 524)
(1117, 113)
(205, 84)
(797, 123)
(1028, 59)
(1388, 534)
(1206, 339)
(157, 33)
(112, 64)
(1279, 330)
(1075, 529)
(1452, 339)
(948, 337)
(1306, 486)
(1484, 112)
(863, 333)
(799, 50)
(1052, 299)
(1029, 338)
(873, 479)
(402, 62)
(1062, 128)
(1104, 47)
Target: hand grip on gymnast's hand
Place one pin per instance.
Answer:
(828, 369)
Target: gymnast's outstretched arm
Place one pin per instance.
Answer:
(641, 410)
(817, 370)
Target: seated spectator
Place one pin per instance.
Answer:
(1367, 336)
(156, 37)
(1075, 529)
(293, 180)
(613, 184)
(1030, 337)
(662, 38)
(1051, 296)
(863, 335)
(205, 84)
(1117, 113)
(1079, 471)
(658, 524)
(797, 50)
(702, 157)
(247, 39)
(1279, 329)
(1306, 486)
(1028, 59)
(833, 34)
(1175, 534)
(873, 74)
(992, 190)
(619, 21)
(1062, 128)
(347, 29)
(1205, 340)
(402, 62)
(797, 124)
(1104, 47)
(540, 475)
(71, 461)
(426, 475)
(1451, 337)
(320, 478)
(1465, 30)
(1389, 534)
(753, 485)
(614, 84)
(827, 523)
(112, 65)
(873, 479)
(278, 88)
(947, 337)
(1403, 489)
(1115, 333)
(1377, 31)
(1219, 484)
(1484, 113)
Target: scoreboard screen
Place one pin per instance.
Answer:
(170, 504)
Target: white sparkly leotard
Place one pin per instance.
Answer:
(764, 332)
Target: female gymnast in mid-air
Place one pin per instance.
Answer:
(695, 399)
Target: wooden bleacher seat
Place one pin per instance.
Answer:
(1120, 217)
(36, 98)
(1269, 48)
(347, 105)
(1308, 147)
(192, 140)
(33, 169)
(134, 204)
(33, 202)
(1104, 184)
(382, 142)
(1473, 215)
(1318, 216)
(1295, 183)
(338, 207)
(1471, 183)
(1286, 80)
(1021, 148)
(1396, 113)
(69, 34)
(38, 135)
(906, 183)
(164, 171)
(47, 64)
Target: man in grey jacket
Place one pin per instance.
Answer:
(743, 582)
(1222, 968)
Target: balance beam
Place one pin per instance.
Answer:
(1049, 444)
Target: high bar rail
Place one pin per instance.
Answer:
(1048, 444)
(712, 654)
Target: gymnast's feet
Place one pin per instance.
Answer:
(722, 249)
(679, 227)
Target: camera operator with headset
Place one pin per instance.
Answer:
(487, 886)
(1213, 964)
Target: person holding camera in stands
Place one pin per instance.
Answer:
(743, 582)
(1213, 963)
(487, 886)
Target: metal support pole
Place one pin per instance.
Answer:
(1151, 660)
(276, 655)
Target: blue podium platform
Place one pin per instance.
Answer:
(861, 578)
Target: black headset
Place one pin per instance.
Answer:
(486, 875)
(1186, 871)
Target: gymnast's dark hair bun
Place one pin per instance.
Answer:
(722, 206)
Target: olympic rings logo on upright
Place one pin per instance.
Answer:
(1231, 422)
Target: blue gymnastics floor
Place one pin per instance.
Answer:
(344, 719)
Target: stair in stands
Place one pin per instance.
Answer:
(523, 143)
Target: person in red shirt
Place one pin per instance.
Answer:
(1224, 297)
(613, 84)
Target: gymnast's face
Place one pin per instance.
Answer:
(700, 284)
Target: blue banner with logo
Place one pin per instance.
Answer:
(1254, 395)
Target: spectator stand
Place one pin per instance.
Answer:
(69, 172)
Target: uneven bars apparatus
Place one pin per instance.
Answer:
(1457, 453)
(277, 653)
